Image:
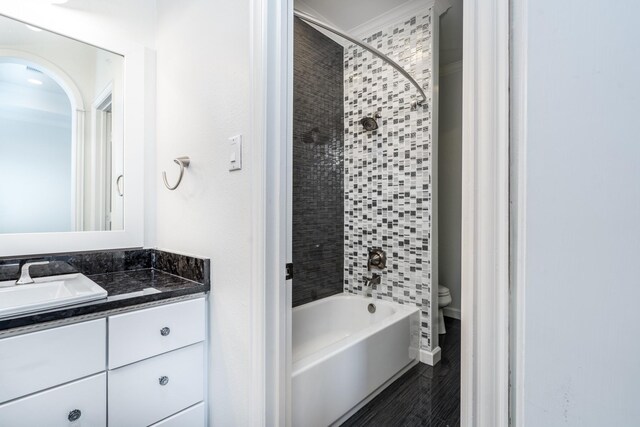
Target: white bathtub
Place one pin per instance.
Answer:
(343, 355)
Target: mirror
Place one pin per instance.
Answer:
(61, 133)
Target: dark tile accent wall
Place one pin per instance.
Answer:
(102, 262)
(318, 165)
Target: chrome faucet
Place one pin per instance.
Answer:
(25, 277)
(373, 280)
(370, 282)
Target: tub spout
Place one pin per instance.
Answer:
(373, 280)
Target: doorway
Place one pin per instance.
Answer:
(108, 165)
(484, 248)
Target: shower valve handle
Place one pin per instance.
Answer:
(377, 259)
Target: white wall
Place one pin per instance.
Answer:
(450, 183)
(581, 184)
(203, 55)
(449, 142)
(450, 31)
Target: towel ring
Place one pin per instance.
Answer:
(183, 162)
(118, 187)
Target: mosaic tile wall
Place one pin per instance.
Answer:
(388, 171)
(318, 167)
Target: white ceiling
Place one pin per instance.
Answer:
(348, 14)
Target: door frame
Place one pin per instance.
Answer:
(97, 205)
(485, 212)
(271, 24)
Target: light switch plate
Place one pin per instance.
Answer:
(235, 153)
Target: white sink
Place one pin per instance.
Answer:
(47, 293)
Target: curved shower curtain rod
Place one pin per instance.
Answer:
(311, 19)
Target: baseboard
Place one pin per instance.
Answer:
(376, 392)
(430, 357)
(451, 312)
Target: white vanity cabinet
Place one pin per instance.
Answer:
(40, 360)
(81, 403)
(149, 391)
(156, 363)
(40, 376)
(140, 368)
(141, 334)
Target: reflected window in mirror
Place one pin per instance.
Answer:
(61, 133)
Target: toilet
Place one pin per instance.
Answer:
(444, 299)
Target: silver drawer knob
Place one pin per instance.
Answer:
(74, 415)
(164, 380)
(165, 331)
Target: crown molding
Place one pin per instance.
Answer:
(391, 17)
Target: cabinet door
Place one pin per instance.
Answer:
(82, 401)
(191, 417)
(145, 333)
(146, 392)
(39, 360)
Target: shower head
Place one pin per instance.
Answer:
(312, 136)
(370, 123)
(317, 136)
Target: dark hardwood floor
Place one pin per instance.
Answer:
(424, 396)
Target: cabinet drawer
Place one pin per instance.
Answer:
(141, 334)
(39, 360)
(137, 396)
(84, 399)
(191, 417)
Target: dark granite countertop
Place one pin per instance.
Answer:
(125, 287)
